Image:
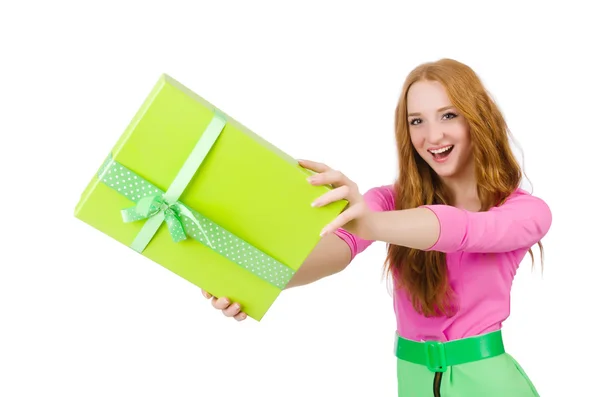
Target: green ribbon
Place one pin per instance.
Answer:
(164, 207)
(156, 206)
(157, 209)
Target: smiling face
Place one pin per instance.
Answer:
(438, 132)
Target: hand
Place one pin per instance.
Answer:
(354, 218)
(228, 309)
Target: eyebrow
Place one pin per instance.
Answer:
(439, 110)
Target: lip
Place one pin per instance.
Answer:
(438, 147)
(443, 159)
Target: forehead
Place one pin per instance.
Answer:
(426, 96)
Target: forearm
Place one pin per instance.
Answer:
(330, 256)
(413, 228)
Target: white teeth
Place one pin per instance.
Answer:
(442, 150)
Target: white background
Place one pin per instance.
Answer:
(81, 315)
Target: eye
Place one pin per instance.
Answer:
(414, 121)
(449, 116)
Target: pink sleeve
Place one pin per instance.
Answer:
(378, 199)
(519, 223)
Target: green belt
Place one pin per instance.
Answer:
(438, 356)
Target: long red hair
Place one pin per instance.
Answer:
(423, 274)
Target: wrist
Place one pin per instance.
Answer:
(368, 226)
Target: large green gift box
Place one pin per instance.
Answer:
(195, 191)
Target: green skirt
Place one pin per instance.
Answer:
(494, 374)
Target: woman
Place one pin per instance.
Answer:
(457, 227)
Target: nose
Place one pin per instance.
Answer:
(434, 133)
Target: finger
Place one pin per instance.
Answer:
(331, 177)
(313, 165)
(240, 316)
(336, 194)
(342, 219)
(232, 310)
(206, 294)
(220, 303)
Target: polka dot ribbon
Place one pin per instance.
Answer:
(155, 207)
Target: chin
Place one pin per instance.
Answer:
(445, 169)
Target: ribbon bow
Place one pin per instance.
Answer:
(166, 207)
(157, 209)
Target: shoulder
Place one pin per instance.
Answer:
(524, 205)
(523, 198)
(380, 198)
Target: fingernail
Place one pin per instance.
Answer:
(236, 306)
(314, 204)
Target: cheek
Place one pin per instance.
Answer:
(461, 134)
(466, 135)
(466, 132)
(417, 139)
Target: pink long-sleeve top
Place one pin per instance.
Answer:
(483, 252)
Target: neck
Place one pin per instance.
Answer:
(463, 189)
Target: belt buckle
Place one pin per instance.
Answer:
(435, 356)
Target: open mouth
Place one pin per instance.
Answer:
(441, 153)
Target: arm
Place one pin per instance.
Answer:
(519, 223)
(331, 255)
(335, 251)
(414, 228)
